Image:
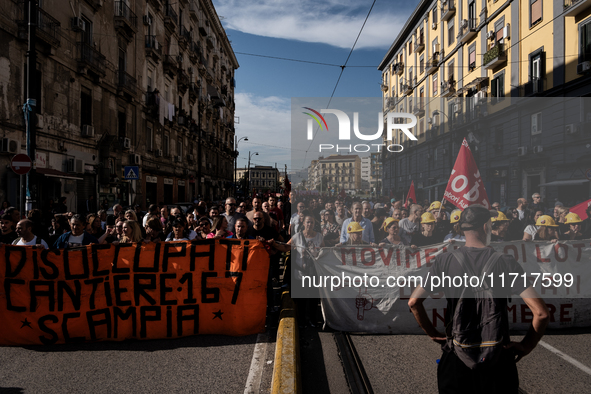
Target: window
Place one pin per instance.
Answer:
(450, 71)
(149, 137)
(585, 41)
(450, 32)
(434, 15)
(421, 36)
(166, 145)
(410, 76)
(85, 107)
(498, 39)
(410, 47)
(422, 64)
(122, 123)
(536, 67)
(472, 57)
(179, 147)
(435, 85)
(86, 36)
(535, 12)
(497, 86)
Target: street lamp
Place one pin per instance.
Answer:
(236, 159)
(249, 156)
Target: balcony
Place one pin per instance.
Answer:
(90, 59)
(494, 57)
(47, 28)
(203, 26)
(152, 102)
(193, 91)
(533, 87)
(467, 30)
(153, 48)
(194, 10)
(182, 80)
(125, 19)
(171, 19)
(575, 7)
(420, 45)
(448, 88)
(184, 37)
(126, 83)
(171, 65)
(405, 88)
(157, 4)
(419, 108)
(194, 51)
(448, 10)
(399, 68)
(432, 64)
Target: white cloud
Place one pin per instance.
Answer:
(330, 22)
(266, 121)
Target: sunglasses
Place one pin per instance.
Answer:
(232, 205)
(257, 218)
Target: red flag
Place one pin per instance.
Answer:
(465, 186)
(287, 187)
(411, 195)
(581, 209)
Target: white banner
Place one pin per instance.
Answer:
(365, 289)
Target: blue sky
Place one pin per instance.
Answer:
(318, 31)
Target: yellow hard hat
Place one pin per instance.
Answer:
(499, 218)
(427, 217)
(387, 222)
(455, 216)
(546, 220)
(434, 205)
(354, 227)
(573, 218)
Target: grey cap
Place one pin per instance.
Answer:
(475, 216)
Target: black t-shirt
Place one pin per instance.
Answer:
(266, 232)
(418, 239)
(8, 238)
(447, 265)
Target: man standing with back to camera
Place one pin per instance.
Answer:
(500, 374)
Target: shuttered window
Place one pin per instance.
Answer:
(535, 9)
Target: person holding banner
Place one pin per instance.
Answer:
(390, 226)
(498, 373)
(427, 235)
(531, 229)
(178, 230)
(153, 229)
(547, 229)
(132, 232)
(219, 228)
(411, 225)
(365, 223)
(24, 230)
(500, 224)
(574, 221)
(7, 226)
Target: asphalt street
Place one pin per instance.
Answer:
(199, 364)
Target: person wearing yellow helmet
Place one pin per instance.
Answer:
(575, 224)
(547, 230)
(500, 224)
(456, 233)
(390, 226)
(427, 235)
(354, 234)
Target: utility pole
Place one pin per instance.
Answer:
(29, 107)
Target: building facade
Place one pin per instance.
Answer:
(335, 172)
(262, 179)
(493, 72)
(121, 83)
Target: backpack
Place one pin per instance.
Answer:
(475, 332)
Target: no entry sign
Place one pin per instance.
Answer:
(21, 164)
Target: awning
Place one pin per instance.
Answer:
(568, 182)
(469, 85)
(50, 172)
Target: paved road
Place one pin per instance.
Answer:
(407, 363)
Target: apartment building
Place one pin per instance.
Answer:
(335, 172)
(494, 72)
(121, 83)
(262, 178)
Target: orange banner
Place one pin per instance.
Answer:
(142, 291)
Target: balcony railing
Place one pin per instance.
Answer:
(399, 69)
(92, 58)
(448, 88)
(420, 45)
(153, 48)
(170, 16)
(170, 64)
(125, 17)
(535, 86)
(194, 9)
(574, 7)
(47, 28)
(432, 64)
(467, 30)
(127, 83)
(495, 56)
(419, 108)
(184, 35)
(448, 9)
(405, 88)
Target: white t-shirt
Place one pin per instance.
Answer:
(19, 241)
(74, 241)
(531, 230)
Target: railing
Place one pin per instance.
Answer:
(467, 27)
(171, 13)
(153, 44)
(494, 56)
(447, 9)
(536, 85)
(127, 82)
(122, 10)
(184, 33)
(570, 3)
(92, 57)
(448, 87)
(399, 69)
(49, 26)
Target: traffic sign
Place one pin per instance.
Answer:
(131, 173)
(21, 164)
